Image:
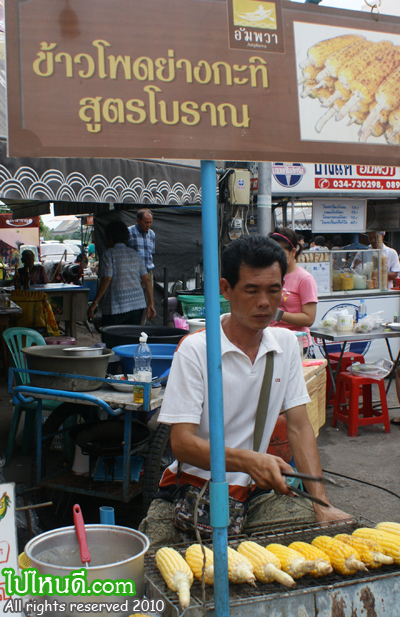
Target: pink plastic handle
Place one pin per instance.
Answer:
(81, 534)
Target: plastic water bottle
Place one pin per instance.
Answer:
(362, 310)
(142, 371)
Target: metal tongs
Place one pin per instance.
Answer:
(306, 476)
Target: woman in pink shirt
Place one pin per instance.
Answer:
(299, 295)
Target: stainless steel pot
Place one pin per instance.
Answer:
(117, 554)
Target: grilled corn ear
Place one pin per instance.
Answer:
(344, 558)
(292, 561)
(312, 553)
(389, 528)
(369, 551)
(194, 557)
(318, 53)
(176, 573)
(240, 569)
(389, 542)
(267, 566)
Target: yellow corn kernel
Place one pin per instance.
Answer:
(292, 561)
(267, 566)
(389, 542)
(369, 551)
(194, 557)
(389, 528)
(312, 553)
(176, 573)
(344, 558)
(240, 569)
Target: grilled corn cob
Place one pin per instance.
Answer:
(338, 58)
(340, 94)
(358, 65)
(194, 557)
(369, 551)
(389, 542)
(329, 114)
(387, 98)
(292, 561)
(322, 561)
(344, 559)
(318, 53)
(389, 527)
(240, 569)
(393, 131)
(364, 86)
(176, 573)
(309, 74)
(267, 566)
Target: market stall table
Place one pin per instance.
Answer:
(69, 303)
(329, 334)
(114, 404)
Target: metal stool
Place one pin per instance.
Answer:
(347, 360)
(348, 388)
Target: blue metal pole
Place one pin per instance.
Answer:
(218, 485)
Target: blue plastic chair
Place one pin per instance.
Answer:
(16, 339)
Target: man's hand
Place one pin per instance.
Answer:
(91, 310)
(323, 514)
(265, 470)
(151, 312)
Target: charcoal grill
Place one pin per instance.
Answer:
(373, 593)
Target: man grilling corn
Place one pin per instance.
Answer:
(253, 268)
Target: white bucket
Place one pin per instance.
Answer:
(196, 324)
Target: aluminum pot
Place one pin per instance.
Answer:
(117, 554)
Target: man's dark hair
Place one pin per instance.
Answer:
(117, 231)
(320, 241)
(142, 212)
(254, 251)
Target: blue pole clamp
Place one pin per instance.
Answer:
(219, 504)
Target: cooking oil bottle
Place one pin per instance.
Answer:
(142, 371)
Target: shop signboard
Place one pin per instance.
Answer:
(201, 80)
(15, 233)
(339, 215)
(322, 178)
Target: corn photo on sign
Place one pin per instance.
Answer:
(236, 79)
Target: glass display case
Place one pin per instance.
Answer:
(346, 271)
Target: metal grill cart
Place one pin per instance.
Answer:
(372, 593)
(153, 447)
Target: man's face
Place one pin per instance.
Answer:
(146, 222)
(256, 295)
(372, 239)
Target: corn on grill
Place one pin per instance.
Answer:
(325, 596)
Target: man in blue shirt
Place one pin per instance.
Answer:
(143, 240)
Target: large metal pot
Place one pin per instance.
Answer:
(53, 359)
(117, 553)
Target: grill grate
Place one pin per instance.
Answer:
(246, 593)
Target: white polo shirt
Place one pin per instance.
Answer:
(186, 395)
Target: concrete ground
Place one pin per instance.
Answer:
(372, 457)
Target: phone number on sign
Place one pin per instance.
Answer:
(330, 183)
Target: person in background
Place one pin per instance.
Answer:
(143, 239)
(299, 294)
(30, 274)
(83, 262)
(393, 264)
(91, 250)
(301, 240)
(122, 272)
(337, 243)
(319, 244)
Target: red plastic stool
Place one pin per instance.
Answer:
(350, 413)
(60, 340)
(347, 360)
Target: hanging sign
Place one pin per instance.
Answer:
(229, 80)
(339, 215)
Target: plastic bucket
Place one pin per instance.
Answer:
(161, 357)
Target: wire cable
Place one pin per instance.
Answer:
(382, 488)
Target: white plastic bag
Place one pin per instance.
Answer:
(378, 370)
(366, 324)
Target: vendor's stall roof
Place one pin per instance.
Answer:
(28, 185)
